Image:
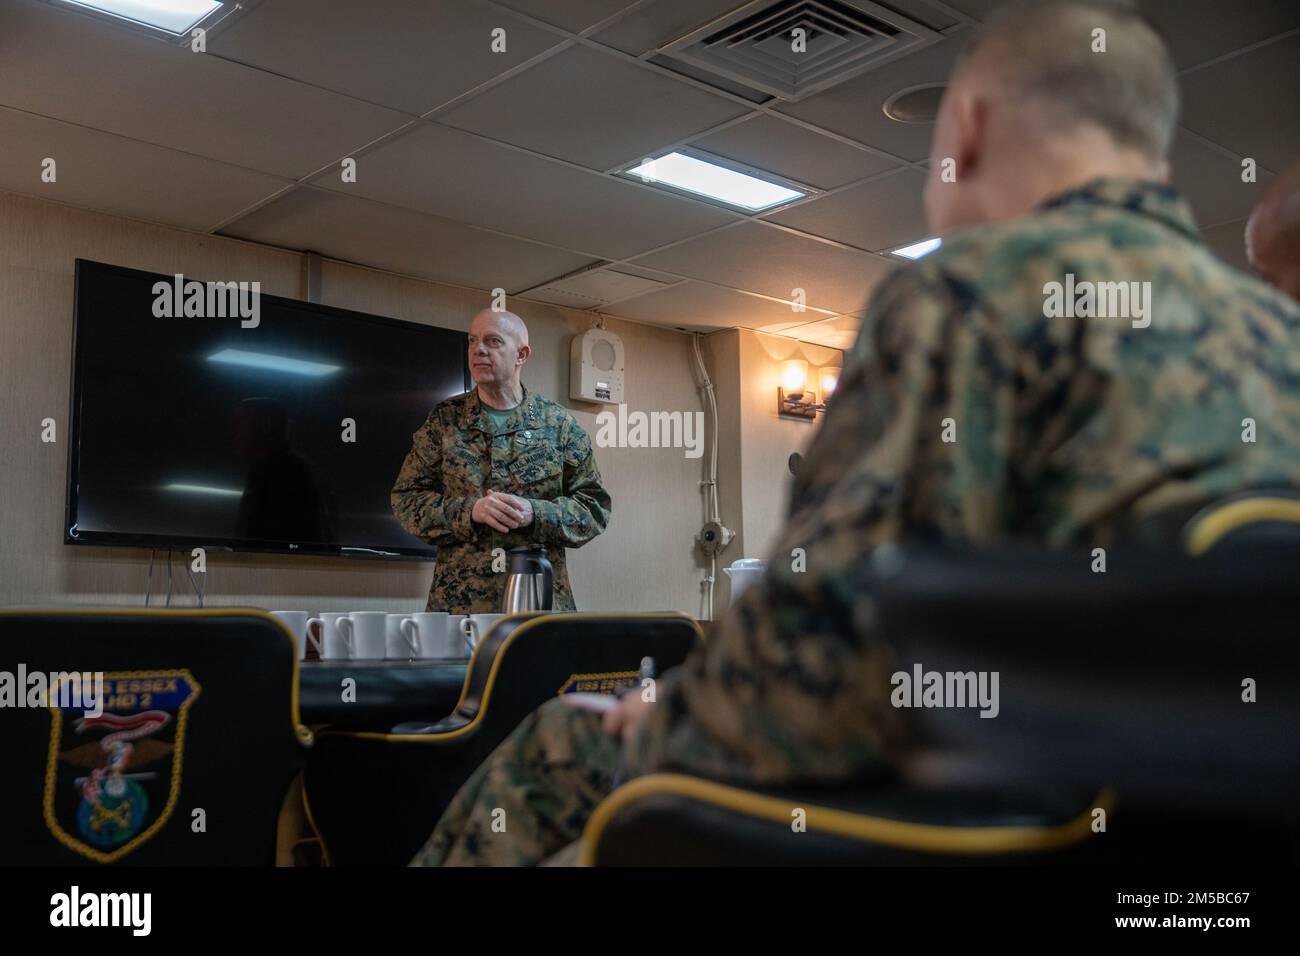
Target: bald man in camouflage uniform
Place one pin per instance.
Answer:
(1064, 430)
(498, 467)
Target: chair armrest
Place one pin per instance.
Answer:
(416, 728)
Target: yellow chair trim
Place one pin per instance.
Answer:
(923, 837)
(1222, 521)
(311, 822)
(302, 733)
(529, 621)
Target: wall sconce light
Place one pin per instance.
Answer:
(794, 376)
(794, 399)
(829, 378)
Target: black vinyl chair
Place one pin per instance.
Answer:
(1127, 690)
(376, 796)
(677, 820)
(189, 756)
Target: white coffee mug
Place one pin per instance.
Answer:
(426, 635)
(296, 623)
(475, 626)
(365, 632)
(332, 646)
(396, 646)
(455, 636)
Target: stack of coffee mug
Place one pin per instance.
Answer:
(378, 635)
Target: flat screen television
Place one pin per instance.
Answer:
(276, 429)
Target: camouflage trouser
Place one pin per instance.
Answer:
(547, 777)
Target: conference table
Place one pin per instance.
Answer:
(385, 692)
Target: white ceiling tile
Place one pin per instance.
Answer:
(412, 55)
(591, 108)
(1196, 30)
(592, 288)
(773, 262)
(781, 328)
(977, 9)
(572, 15)
(660, 22)
(1229, 243)
(772, 144)
(635, 270)
(446, 172)
(1199, 30)
(101, 171)
(695, 305)
(1242, 103)
(839, 332)
(1211, 182)
(924, 12)
(855, 107)
(877, 215)
(71, 67)
(356, 230)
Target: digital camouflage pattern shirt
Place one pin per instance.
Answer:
(1065, 431)
(540, 453)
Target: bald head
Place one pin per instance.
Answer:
(1049, 58)
(1049, 95)
(1273, 233)
(505, 322)
(498, 349)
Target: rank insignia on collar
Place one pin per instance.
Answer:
(113, 778)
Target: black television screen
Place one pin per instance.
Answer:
(231, 429)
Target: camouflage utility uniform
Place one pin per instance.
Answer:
(1068, 431)
(539, 452)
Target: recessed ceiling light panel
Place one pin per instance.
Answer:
(174, 22)
(917, 249)
(173, 16)
(717, 181)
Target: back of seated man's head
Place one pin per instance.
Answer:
(1048, 96)
(1273, 233)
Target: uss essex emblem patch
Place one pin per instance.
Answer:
(608, 682)
(112, 780)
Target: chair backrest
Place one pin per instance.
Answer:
(376, 796)
(1174, 679)
(668, 819)
(526, 660)
(185, 759)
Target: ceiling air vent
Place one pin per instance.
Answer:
(792, 48)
